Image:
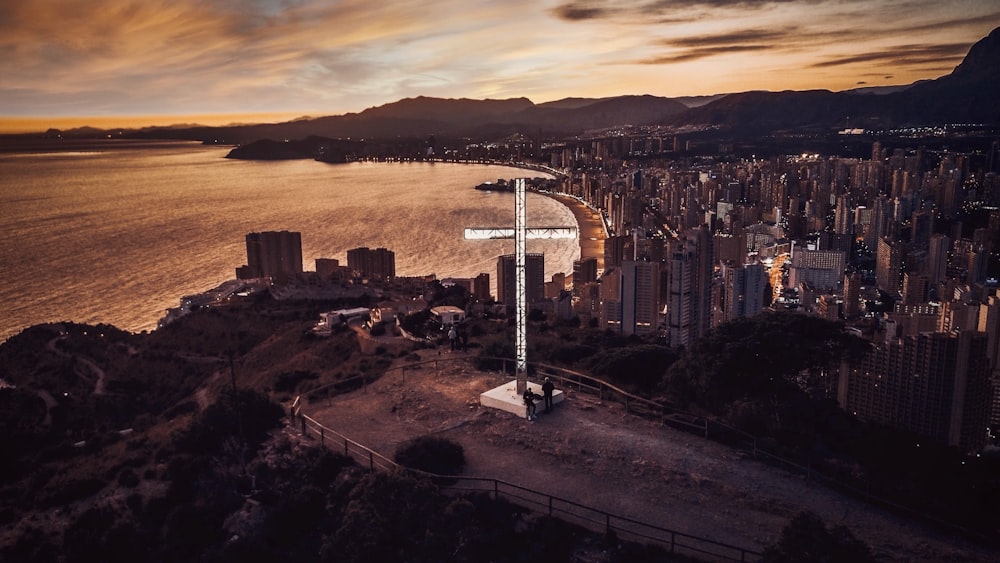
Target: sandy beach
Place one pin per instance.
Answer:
(591, 229)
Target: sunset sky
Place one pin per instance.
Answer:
(141, 62)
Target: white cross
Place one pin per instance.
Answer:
(520, 233)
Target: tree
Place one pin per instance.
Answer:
(431, 454)
(642, 365)
(770, 357)
(806, 538)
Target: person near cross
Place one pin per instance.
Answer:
(529, 403)
(547, 388)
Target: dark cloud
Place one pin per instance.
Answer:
(665, 5)
(976, 21)
(904, 55)
(702, 46)
(694, 54)
(733, 38)
(577, 11)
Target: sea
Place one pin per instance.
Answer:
(118, 232)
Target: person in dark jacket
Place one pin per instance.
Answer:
(547, 388)
(529, 402)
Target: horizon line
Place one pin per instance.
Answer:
(22, 125)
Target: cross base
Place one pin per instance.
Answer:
(507, 399)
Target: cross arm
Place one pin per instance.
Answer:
(489, 233)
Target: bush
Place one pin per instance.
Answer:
(289, 380)
(128, 478)
(431, 454)
(246, 416)
(806, 538)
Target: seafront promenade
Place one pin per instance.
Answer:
(591, 229)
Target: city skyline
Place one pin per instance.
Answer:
(130, 64)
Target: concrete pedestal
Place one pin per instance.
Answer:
(506, 398)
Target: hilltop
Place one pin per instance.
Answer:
(138, 442)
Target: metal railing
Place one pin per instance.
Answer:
(675, 418)
(594, 519)
(605, 522)
(342, 444)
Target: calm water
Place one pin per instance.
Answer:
(118, 235)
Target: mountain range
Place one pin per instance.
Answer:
(969, 94)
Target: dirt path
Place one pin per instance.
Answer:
(596, 454)
(96, 371)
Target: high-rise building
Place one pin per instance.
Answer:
(937, 258)
(328, 268)
(617, 249)
(852, 295)
(377, 263)
(629, 300)
(978, 262)
(534, 279)
(743, 289)
(556, 287)
(933, 384)
(915, 288)
(889, 265)
(921, 229)
(584, 272)
(822, 269)
(481, 286)
(689, 270)
(681, 298)
(843, 218)
(272, 254)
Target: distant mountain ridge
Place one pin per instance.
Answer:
(970, 94)
(425, 116)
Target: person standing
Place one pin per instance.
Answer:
(452, 335)
(547, 388)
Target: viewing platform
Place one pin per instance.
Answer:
(506, 398)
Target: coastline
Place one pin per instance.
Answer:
(591, 231)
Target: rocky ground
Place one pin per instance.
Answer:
(596, 454)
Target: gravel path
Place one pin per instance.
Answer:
(596, 454)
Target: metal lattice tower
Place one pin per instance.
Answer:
(521, 309)
(520, 233)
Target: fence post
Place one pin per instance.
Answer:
(496, 490)
(322, 436)
(371, 461)
(673, 541)
(346, 452)
(550, 505)
(303, 419)
(607, 523)
(706, 428)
